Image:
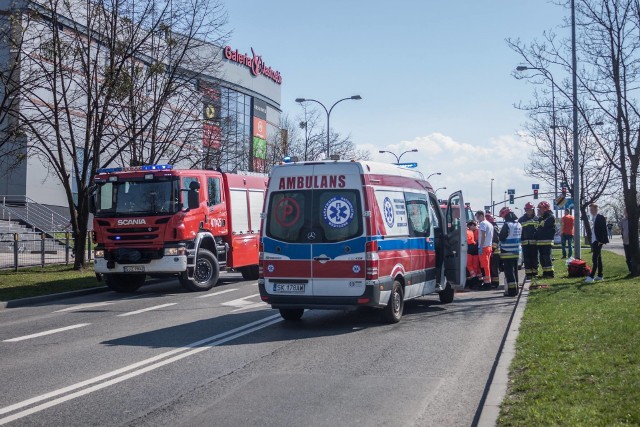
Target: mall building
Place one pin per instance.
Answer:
(240, 114)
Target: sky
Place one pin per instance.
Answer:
(434, 75)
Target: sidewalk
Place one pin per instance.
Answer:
(615, 245)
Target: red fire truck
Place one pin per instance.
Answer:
(156, 220)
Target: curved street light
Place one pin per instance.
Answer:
(415, 150)
(328, 111)
(435, 173)
(441, 188)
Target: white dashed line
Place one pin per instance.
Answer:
(155, 307)
(52, 331)
(217, 293)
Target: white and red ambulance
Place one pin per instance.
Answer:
(346, 234)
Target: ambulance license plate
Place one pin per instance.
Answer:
(134, 269)
(288, 287)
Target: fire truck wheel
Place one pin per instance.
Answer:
(205, 274)
(392, 313)
(250, 272)
(291, 314)
(124, 283)
(446, 296)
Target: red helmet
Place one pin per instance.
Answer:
(504, 211)
(544, 206)
(489, 218)
(528, 206)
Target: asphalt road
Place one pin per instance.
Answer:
(168, 357)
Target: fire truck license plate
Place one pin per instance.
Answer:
(134, 269)
(289, 287)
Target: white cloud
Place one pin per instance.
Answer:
(468, 167)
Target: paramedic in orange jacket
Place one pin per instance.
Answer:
(473, 264)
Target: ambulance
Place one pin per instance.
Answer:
(346, 234)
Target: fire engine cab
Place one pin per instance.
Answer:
(156, 220)
(341, 235)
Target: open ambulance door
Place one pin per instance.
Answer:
(455, 242)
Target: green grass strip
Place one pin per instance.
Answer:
(36, 281)
(578, 352)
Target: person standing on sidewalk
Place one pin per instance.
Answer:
(599, 237)
(529, 222)
(485, 241)
(567, 233)
(624, 229)
(509, 242)
(474, 276)
(494, 262)
(544, 237)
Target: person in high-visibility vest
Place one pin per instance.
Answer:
(545, 232)
(509, 244)
(529, 222)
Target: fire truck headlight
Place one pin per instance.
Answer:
(98, 253)
(175, 251)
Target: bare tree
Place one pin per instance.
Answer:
(93, 62)
(608, 43)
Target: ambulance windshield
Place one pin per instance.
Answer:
(141, 197)
(314, 216)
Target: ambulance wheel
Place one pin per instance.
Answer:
(292, 314)
(250, 272)
(205, 273)
(392, 313)
(446, 295)
(124, 283)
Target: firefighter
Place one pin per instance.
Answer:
(529, 222)
(509, 242)
(474, 274)
(545, 232)
(494, 262)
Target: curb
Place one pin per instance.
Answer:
(500, 380)
(22, 302)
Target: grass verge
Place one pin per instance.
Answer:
(36, 281)
(578, 352)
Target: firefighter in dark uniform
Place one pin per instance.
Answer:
(545, 232)
(529, 222)
(494, 261)
(509, 243)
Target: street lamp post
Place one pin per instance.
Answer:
(576, 166)
(492, 210)
(553, 126)
(415, 150)
(328, 111)
(440, 188)
(435, 173)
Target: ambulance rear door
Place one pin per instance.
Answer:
(455, 257)
(337, 231)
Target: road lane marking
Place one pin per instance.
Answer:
(236, 332)
(240, 302)
(49, 332)
(83, 306)
(155, 307)
(253, 305)
(217, 293)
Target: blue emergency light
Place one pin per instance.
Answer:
(408, 165)
(135, 168)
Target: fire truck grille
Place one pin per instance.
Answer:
(132, 230)
(134, 238)
(133, 256)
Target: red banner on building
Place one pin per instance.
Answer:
(210, 136)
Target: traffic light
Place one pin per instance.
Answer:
(535, 194)
(511, 199)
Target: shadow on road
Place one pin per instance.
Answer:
(318, 323)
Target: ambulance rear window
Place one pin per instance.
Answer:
(314, 216)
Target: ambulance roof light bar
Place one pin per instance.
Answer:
(135, 169)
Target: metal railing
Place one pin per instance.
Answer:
(31, 213)
(28, 249)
